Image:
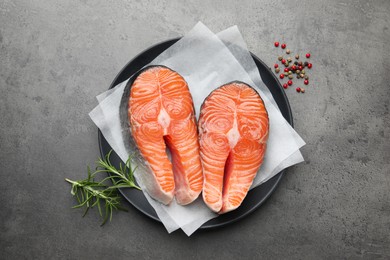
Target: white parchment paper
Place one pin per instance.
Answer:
(206, 61)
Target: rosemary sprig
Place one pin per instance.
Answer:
(122, 177)
(90, 193)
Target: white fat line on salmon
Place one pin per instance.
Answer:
(164, 119)
(233, 135)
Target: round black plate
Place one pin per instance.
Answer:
(256, 196)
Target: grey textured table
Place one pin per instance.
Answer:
(56, 56)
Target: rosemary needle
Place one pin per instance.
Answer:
(90, 193)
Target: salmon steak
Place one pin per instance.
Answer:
(161, 115)
(233, 131)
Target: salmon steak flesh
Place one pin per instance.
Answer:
(161, 115)
(233, 131)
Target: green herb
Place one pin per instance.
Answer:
(90, 193)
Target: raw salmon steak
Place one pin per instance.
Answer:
(161, 115)
(233, 131)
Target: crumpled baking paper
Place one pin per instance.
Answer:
(206, 61)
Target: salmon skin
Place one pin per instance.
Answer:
(233, 131)
(161, 114)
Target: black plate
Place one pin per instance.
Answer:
(256, 196)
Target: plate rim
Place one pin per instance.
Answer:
(278, 176)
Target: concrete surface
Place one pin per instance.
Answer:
(56, 56)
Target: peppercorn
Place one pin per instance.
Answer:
(283, 46)
(297, 56)
(298, 76)
(303, 71)
(280, 58)
(302, 75)
(289, 72)
(308, 55)
(276, 65)
(306, 63)
(302, 90)
(289, 59)
(286, 64)
(309, 65)
(286, 69)
(307, 77)
(285, 85)
(300, 63)
(296, 62)
(298, 71)
(277, 70)
(289, 82)
(288, 51)
(285, 74)
(290, 76)
(281, 76)
(300, 67)
(283, 61)
(276, 44)
(298, 89)
(306, 82)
